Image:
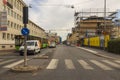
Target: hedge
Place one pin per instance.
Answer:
(114, 46)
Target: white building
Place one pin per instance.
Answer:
(14, 9)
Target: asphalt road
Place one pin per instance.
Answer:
(68, 63)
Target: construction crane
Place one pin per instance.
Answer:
(65, 5)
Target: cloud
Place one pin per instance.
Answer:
(55, 14)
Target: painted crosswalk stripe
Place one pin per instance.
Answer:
(7, 61)
(53, 64)
(69, 64)
(1, 59)
(111, 63)
(102, 66)
(14, 64)
(85, 65)
(118, 61)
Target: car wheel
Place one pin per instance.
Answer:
(34, 52)
(39, 50)
(21, 54)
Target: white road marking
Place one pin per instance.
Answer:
(1, 59)
(14, 64)
(118, 61)
(53, 64)
(85, 65)
(4, 62)
(111, 63)
(69, 64)
(102, 66)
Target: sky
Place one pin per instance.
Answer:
(58, 15)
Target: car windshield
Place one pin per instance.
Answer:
(30, 43)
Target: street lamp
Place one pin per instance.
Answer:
(104, 22)
(104, 15)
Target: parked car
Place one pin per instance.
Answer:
(33, 47)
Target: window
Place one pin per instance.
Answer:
(21, 27)
(17, 16)
(11, 46)
(11, 24)
(35, 43)
(15, 25)
(20, 6)
(12, 37)
(8, 23)
(18, 26)
(8, 11)
(3, 46)
(11, 13)
(15, 3)
(4, 36)
(8, 36)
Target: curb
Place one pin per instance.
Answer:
(97, 54)
(25, 69)
(41, 57)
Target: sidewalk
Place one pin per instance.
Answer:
(6, 52)
(102, 53)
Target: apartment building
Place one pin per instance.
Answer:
(14, 9)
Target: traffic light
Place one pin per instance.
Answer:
(25, 15)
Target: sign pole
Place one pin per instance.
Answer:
(25, 49)
(25, 32)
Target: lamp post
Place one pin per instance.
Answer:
(104, 22)
(104, 15)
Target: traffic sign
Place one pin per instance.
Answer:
(25, 31)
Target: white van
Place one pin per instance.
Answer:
(33, 47)
(52, 44)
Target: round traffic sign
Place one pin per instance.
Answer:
(25, 31)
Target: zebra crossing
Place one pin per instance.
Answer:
(69, 64)
(85, 64)
(8, 63)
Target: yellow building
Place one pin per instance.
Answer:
(14, 9)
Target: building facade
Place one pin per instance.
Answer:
(94, 26)
(14, 9)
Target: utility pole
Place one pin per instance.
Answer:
(105, 15)
(104, 22)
